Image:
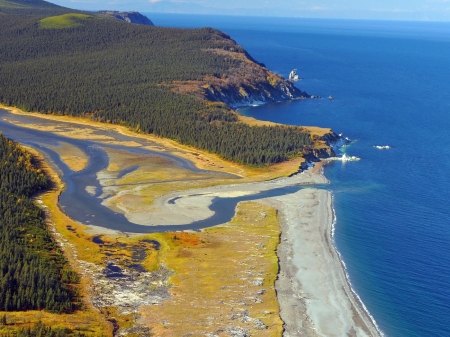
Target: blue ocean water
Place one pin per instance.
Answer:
(391, 84)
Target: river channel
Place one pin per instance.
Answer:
(87, 208)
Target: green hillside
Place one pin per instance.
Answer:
(91, 65)
(63, 21)
(30, 7)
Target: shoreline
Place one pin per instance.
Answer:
(350, 316)
(357, 298)
(290, 290)
(312, 282)
(340, 311)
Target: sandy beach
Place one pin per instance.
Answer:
(314, 294)
(313, 291)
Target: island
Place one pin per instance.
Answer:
(169, 212)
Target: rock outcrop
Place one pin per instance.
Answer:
(131, 17)
(260, 91)
(246, 83)
(250, 84)
(325, 146)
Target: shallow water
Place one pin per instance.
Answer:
(86, 207)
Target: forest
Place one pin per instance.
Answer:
(34, 274)
(116, 72)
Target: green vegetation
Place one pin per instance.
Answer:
(9, 4)
(63, 21)
(34, 274)
(30, 7)
(115, 72)
(38, 330)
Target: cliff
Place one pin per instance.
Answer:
(246, 83)
(131, 17)
(323, 146)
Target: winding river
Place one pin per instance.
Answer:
(86, 207)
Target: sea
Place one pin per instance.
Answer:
(390, 81)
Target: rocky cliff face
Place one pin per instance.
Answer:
(249, 84)
(131, 17)
(325, 147)
(239, 92)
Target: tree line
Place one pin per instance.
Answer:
(34, 274)
(113, 72)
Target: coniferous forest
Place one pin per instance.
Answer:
(34, 273)
(116, 72)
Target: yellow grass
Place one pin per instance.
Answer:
(215, 274)
(72, 156)
(87, 322)
(215, 269)
(253, 121)
(315, 130)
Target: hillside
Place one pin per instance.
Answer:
(30, 7)
(131, 17)
(175, 83)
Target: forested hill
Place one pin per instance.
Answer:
(30, 7)
(153, 79)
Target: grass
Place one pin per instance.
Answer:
(72, 156)
(214, 277)
(207, 290)
(318, 131)
(86, 322)
(214, 269)
(63, 21)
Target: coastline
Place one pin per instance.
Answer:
(323, 295)
(312, 283)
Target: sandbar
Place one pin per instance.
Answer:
(314, 294)
(186, 207)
